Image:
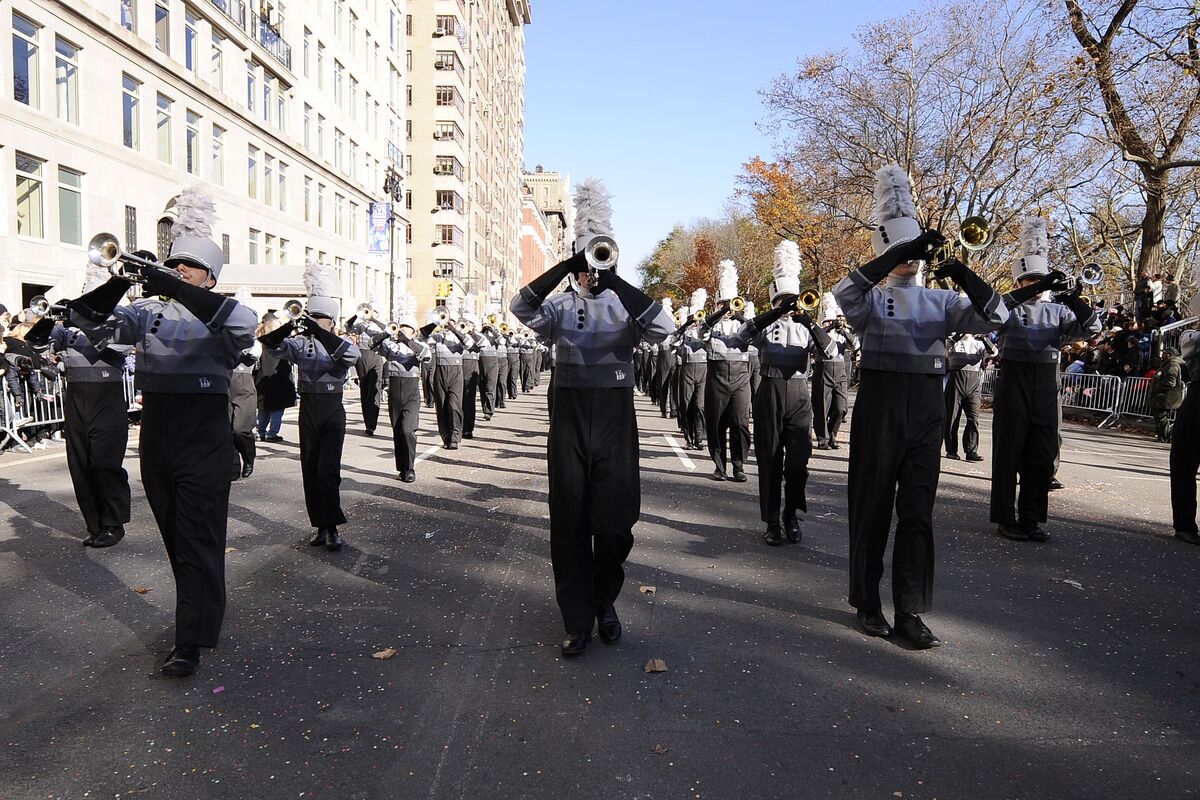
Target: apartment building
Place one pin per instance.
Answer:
(551, 193)
(288, 113)
(537, 247)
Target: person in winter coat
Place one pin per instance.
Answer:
(1166, 392)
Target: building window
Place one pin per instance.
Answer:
(338, 162)
(308, 254)
(252, 245)
(281, 111)
(353, 165)
(408, 199)
(268, 249)
(192, 143)
(282, 186)
(354, 226)
(408, 95)
(449, 234)
(225, 246)
(447, 25)
(321, 206)
(164, 237)
(70, 206)
(162, 27)
(338, 98)
(321, 135)
(251, 71)
(131, 227)
(66, 80)
(217, 62)
(163, 125)
(408, 60)
(353, 98)
(283, 251)
(268, 91)
(218, 155)
(320, 66)
(268, 179)
(449, 200)
(337, 18)
(307, 199)
(408, 267)
(29, 196)
(131, 116)
(252, 172)
(392, 29)
(448, 96)
(190, 56)
(408, 25)
(25, 62)
(353, 33)
(307, 48)
(128, 15)
(307, 127)
(339, 209)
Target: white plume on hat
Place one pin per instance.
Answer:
(454, 306)
(699, 299)
(668, 304)
(684, 312)
(727, 280)
(323, 289)
(895, 210)
(830, 310)
(748, 311)
(593, 211)
(786, 269)
(495, 292)
(195, 214)
(94, 276)
(470, 303)
(1035, 249)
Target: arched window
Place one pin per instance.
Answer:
(164, 237)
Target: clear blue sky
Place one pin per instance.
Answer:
(659, 98)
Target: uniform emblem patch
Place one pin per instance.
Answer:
(620, 374)
(205, 383)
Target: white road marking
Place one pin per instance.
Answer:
(687, 462)
(428, 453)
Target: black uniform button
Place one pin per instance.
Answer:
(891, 313)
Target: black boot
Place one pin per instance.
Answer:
(318, 540)
(791, 527)
(408, 476)
(609, 624)
(739, 474)
(1010, 530)
(91, 538)
(575, 643)
(910, 628)
(772, 536)
(335, 540)
(718, 474)
(181, 661)
(247, 469)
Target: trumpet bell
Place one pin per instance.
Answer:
(504, 329)
(601, 252)
(491, 319)
(975, 233)
(104, 249)
(700, 315)
(39, 305)
(808, 300)
(292, 310)
(1091, 274)
(737, 304)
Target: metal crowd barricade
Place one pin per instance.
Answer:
(1098, 393)
(36, 410)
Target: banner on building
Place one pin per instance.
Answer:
(377, 228)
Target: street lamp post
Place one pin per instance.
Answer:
(391, 188)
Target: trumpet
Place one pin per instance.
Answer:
(461, 326)
(600, 253)
(504, 329)
(291, 314)
(491, 319)
(442, 318)
(39, 306)
(393, 330)
(975, 233)
(1089, 275)
(737, 305)
(104, 250)
(700, 315)
(808, 300)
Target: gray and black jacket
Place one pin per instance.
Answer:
(320, 371)
(84, 361)
(1036, 329)
(724, 343)
(967, 354)
(404, 359)
(785, 347)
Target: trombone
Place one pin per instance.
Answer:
(104, 250)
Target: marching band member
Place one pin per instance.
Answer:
(830, 379)
(899, 413)
(666, 367)
(526, 361)
(447, 376)
(755, 362)
(964, 393)
(489, 364)
(323, 359)
(96, 425)
(472, 347)
(1025, 418)
(404, 354)
(187, 345)
(363, 327)
(1185, 446)
(595, 493)
(693, 372)
(514, 364)
(727, 382)
(501, 388)
(786, 339)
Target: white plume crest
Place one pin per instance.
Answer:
(243, 296)
(1035, 240)
(195, 214)
(893, 194)
(699, 299)
(470, 303)
(727, 280)
(787, 260)
(454, 306)
(593, 211)
(667, 303)
(320, 280)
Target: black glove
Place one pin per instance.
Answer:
(1073, 300)
(330, 340)
(636, 301)
(39, 334)
(378, 339)
(350, 322)
(768, 318)
(953, 269)
(818, 333)
(976, 288)
(402, 337)
(246, 359)
(98, 304)
(427, 330)
(161, 282)
(1054, 281)
(919, 248)
(275, 338)
(205, 304)
(549, 280)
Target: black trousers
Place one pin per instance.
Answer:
(691, 401)
(755, 374)
(243, 416)
(371, 370)
(667, 390)
(1185, 461)
(727, 411)
(894, 460)
(489, 367)
(470, 394)
(185, 452)
(514, 374)
(404, 408)
(427, 382)
(448, 401)
(501, 381)
(964, 396)
(650, 379)
(595, 498)
(782, 445)
(97, 431)
(322, 435)
(1025, 416)
(830, 384)
(526, 372)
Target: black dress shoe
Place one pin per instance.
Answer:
(772, 536)
(1012, 531)
(575, 643)
(452, 446)
(408, 476)
(833, 445)
(608, 624)
(791, 527)
(468, 435)
(335, 540)
(1191, 537)
(719, 475)
(318, 540)
(739, 475)
(974, 457)
(181, 661)
(823, 445)
(370, 431)
(1055, 484)
(953, 456)
(108, 537)
(1036, 533)
(91, 538)
(910, 628)
(247, 469)
(874, 623)
(275, 438)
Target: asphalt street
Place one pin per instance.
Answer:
(1070, 669)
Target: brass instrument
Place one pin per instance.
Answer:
(600, 253)
(393, 330)
(737, 305)
(442, 318)
(809, 300)
(975, 233)
(461, 326)
(700, 315)
(291, 314)
(504, 329)
(104, 250)
(491, 319)
(1089, 275)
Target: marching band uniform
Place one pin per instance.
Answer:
(831, 382)
(447, 382)
(783, 405)
(323, 360)
(899, 414)
(964, 393)
(489, 366)
(243, 410)
(404, 355)
(665, 371)
(472, 346)
(369, 367)
(187, 346)
(1185, 446)
(514, 365)
(693, 373)
(595, 495)
(727, 383)
(96, 428)
(500, 390)
(526, 359)
(1025, 419)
